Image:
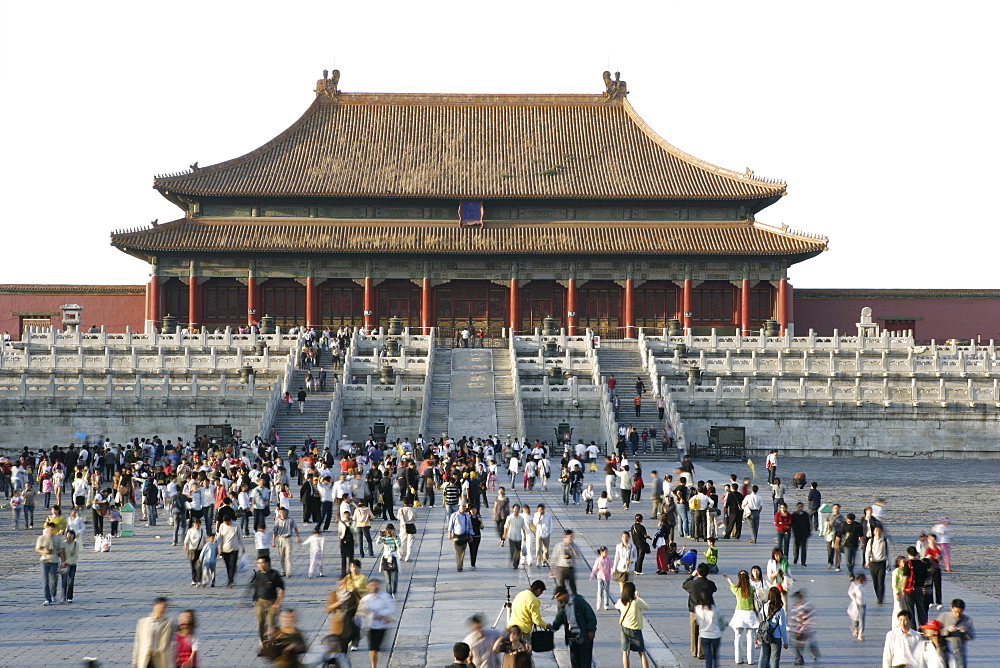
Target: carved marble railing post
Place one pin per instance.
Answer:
(213, 359)
(54, 352)
(228, 340)
(252, 387)
(81, 388)
(79, 357)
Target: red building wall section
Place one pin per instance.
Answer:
(113, 306)
(936, 314)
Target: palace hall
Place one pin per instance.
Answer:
(483, 211)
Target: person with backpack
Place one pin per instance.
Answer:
(772, 634)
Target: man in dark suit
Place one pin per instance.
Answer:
(580, 623)
(734, 512)
(701, 591)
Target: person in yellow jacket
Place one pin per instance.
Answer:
(526, 609)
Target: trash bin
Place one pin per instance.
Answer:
(127, 527)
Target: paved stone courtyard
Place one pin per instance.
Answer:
(114, 589)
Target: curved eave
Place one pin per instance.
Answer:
(597, 238)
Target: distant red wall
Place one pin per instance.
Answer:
(114, 307)
(940, 315)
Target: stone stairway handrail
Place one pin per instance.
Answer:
(425, 407)
(278, 392)
(515, 375)
(658, 383)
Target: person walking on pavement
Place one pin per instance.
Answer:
(153, 634)
(50, 545)
(460, 533)
(565, 566)
(284, 527)
(902, 644)
(752, 504)
(876, 559)
(408, 519)
(513, 531)
(701, 591)
(230, 546)
(268, 593)
(580, 623)
(801, 529)
(957, 628)
(815, 502)
(302, 400)
(630, 607)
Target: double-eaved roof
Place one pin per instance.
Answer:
(354, 147)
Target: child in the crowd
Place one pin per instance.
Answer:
(16, 507)
(602, 507)
(588, 497)
(209, 556)
(688, 558)
(263, 539)
(116, 516)
(857, 608)
(602, 571)
(712, 556)
(802, 627)
(315, 543)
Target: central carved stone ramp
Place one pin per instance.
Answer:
(472, 409)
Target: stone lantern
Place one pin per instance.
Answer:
(71, 317)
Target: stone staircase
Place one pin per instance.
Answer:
(503, 394)
(624, 362)
(437, 420)
(293, 427)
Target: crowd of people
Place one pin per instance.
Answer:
(235, 502)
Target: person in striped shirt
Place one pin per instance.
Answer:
(802, 627)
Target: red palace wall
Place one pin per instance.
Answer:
(936, 314)
(113, 306)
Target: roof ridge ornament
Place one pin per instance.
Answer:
(614, 89)
(328, 84)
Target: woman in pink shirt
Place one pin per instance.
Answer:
(602, 571)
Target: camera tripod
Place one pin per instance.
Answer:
(507, 607)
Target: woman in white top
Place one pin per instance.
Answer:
(76, 523)
(623, 569)
(80, 489)
(710, 631)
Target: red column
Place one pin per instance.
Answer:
(783, 304)
(252, 315)
(153, 297)
(686, 305)
(790, 306)
(369, 303)
(745, 307)
(194, 302)
(629, 308)
(425, 306)
(514, 310)
(571, 307)
(312, 303)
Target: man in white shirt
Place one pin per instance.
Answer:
(902, 644)
(543, 531)
(753, 503)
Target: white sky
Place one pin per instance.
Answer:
(881, 116)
